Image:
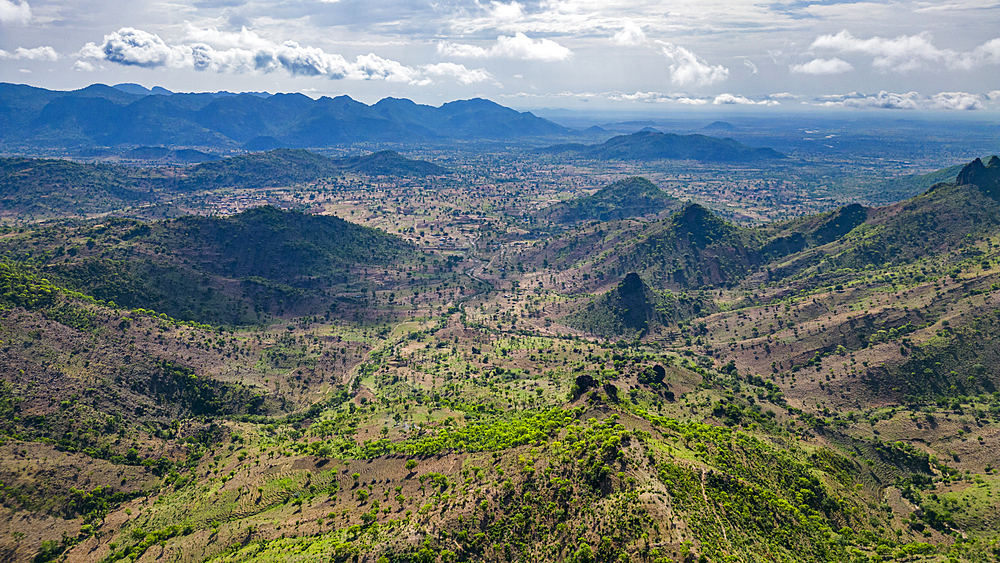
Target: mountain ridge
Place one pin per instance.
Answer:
(653, 145)
(101, 115)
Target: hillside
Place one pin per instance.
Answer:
(652, 145)
(287, 167)
(101, 116)
(52, 188)
(37, 189)
(277, 386)
(222, 270)
(632, 197)
(631, 309)
(161, 155)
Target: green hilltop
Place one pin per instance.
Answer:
(225, 270)
(288, 167)
(631, 197)
(653, 145)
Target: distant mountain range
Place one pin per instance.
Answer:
(128, 115)
(653, 145)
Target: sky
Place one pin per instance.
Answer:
(625, 54)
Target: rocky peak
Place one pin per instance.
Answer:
(984, 176)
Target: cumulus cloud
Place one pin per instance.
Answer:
(986, 53)
(631, 35)
(44, 53)
(520, 46)
(506, 12)
(135, 47)
(882, 100)
(909, 100)
(687, 69)
(783, 96)
(243, 52)
(618, 96)
(908, 52)
(19, 13)
(822, 66)
(736, 99)
(691, 101)
(639, 97)
(83, 66)
(957, 100)
(458, 71)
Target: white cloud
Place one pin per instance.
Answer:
(83, 66)
(639, 97)
(882, 100)
(506, 12)
(631, 35)
(735, 99)
(44, 53)
(783, 96)
(909, 100)
(822, 66)
(908, 52)
(462, 50)
(986, 53)
(244, 39)
(749, 64)
(520, 46)
(19, 13)
(245, 52)
(687, 69)
(691, 101)
(458, 71)
(373, 67)
(957, 100)
(616, 96)
(135, 47)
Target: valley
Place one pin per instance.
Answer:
(498, 353)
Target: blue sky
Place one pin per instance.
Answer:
(555, 53)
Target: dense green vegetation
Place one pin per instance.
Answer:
(632, 197)
(228, 270)
(46, 187)
(632, 308)
(653, 145)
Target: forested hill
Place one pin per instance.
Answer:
(653, 145)
(49, 188)
(631, 197)
(283, 167)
